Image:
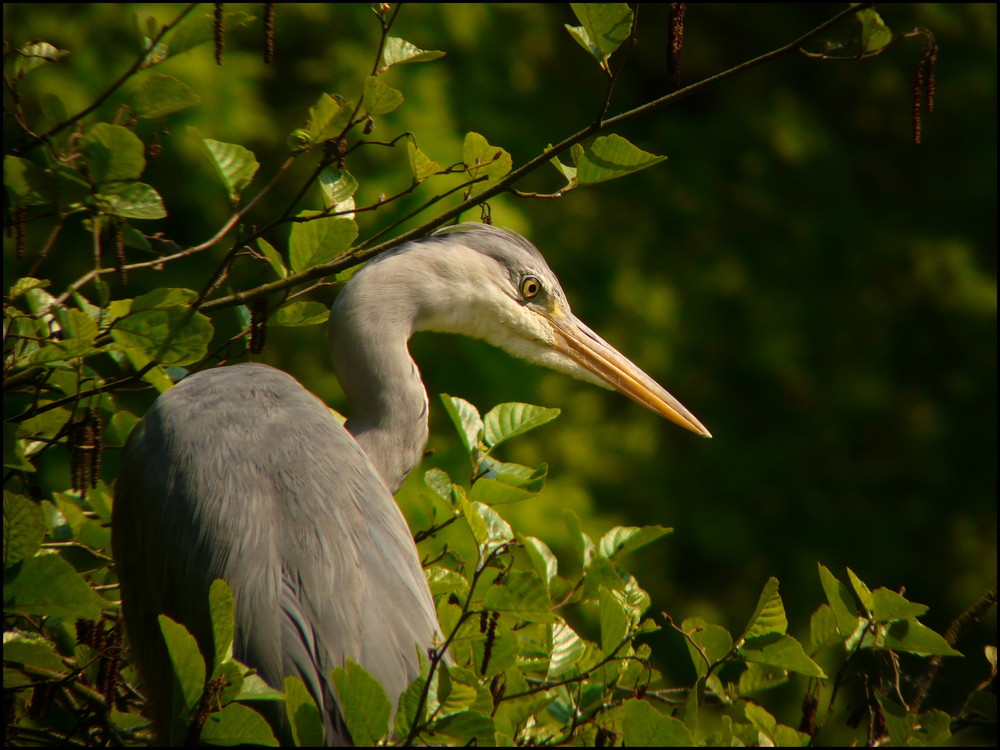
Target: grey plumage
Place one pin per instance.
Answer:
(240, 473)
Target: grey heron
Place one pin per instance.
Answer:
(240, 473)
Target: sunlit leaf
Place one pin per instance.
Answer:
(379, 98)
(237, 725)
(398, 51)
(887, 605)
(172, 334)
(769, 615)
(508, 420)
(623, 540)
(222, 607)
(303, 715)
(420, 164)
(916, 638)
(604, 26)
(189, 672)
(273, 258)
(319, 241)
(48, 585)
(609, 157)
(234, 164)
(781, 651)
(466, 419)
(706, 643)
(362, 702)
(482, 159)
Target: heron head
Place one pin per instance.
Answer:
(491, 283)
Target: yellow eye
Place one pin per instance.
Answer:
(531, 287)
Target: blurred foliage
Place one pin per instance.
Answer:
(817, 288)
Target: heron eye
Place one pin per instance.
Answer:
(531, 287)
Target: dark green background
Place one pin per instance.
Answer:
(817, 289)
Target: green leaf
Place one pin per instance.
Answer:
(23, 529)
(327, 117)
(864, 594)
(338, 189)
(509, 420)
(420, 164)
(320, 240)
(468, 727)
(27, 183)
(567, 649)
(443, 581)
(467, 421)
(189, 674)
(363, 703)
(516, 475)
(13, 450)
(564, 169)
(113, 153)
(172, 335)
(623, 540)
(379, 98)
(162, 298)
(641, 725)
(31, 650)
(222, 608)
(301, 314)
(617, 617)
(273, 258)
(542, 559)
(156, 95)
(48, 585)
(483, 159)
(29, 57)
(498, 530)
(769, 616)
(409, 700)
(841, 601)
(522, 592)
(823, 627)
(780, 651)
(888, 606)
(235, 725)
(137, 200)
(610, 157)
(874, 33)
(457, 688)
(492, 492)
(235, 165)
(303, 715)
(26, 284)
(604, 26)
(757, 677)
(581, 542)
(440, 482)
(399, 51)
(916, 638)
(706, 641)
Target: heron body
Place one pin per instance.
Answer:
(240, 473)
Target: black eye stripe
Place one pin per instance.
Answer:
(531, 286)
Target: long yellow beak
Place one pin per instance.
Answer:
(574, 339)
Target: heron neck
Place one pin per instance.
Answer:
(387, 399)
